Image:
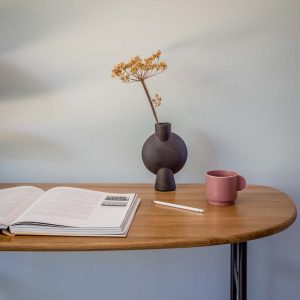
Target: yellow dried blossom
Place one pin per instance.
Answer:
(137, 69)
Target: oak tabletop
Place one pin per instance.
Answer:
(259, 211)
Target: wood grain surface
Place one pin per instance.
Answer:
(259, 211)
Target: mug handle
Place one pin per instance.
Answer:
(241, 183)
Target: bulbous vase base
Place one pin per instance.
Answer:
(165, 180)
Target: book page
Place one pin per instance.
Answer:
(14, 201)
(76, 207)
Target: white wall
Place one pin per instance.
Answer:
(231, 91)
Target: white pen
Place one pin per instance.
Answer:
(199, 210)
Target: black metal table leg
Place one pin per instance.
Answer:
(233, 289)
(238, 271)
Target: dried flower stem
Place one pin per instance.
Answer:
(149, 99)
(138, 69)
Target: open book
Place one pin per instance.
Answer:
(29, 210)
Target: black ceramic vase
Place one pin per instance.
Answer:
(164, 154)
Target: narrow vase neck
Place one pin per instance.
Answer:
(163, 131)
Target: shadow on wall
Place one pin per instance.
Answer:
(22, 146)
(202, 155)
(15, 83)
(217, 36)
(286, 265)
(209, 49)
(23, 22)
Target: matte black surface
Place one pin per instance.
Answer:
(165, 180)
(167, 151)
(233, 290)
(238, 271)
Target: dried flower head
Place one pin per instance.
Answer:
(137, 69)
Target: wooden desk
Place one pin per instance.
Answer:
(259, 211)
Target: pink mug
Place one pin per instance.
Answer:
(222, 187)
